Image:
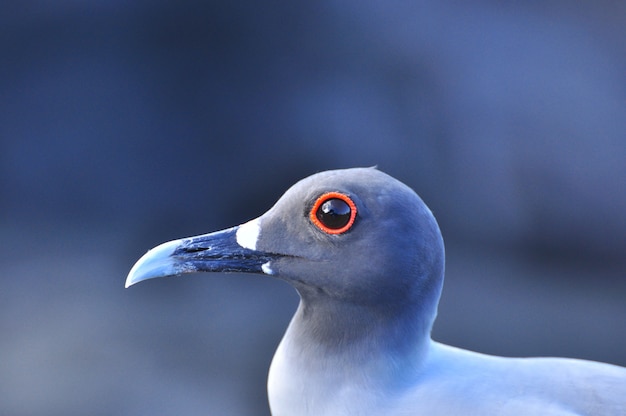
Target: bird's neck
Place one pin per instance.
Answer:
(340, 327)
(334, 347)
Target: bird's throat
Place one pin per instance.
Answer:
(346, 349)
(360, 335)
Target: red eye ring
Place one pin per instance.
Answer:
(333, 223)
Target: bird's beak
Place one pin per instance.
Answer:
(221, 251)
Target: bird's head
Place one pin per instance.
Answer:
(355, 235)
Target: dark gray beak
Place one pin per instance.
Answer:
(231, 250)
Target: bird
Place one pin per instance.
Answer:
(366, 256)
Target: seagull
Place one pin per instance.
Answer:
(366, 256)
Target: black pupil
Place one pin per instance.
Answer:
(334, 213)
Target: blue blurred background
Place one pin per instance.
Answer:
(126, 124)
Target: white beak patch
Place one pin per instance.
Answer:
(248, 234)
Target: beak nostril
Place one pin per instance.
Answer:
(196, 249)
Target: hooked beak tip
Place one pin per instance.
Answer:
(157, 262)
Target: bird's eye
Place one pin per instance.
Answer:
(333, 213)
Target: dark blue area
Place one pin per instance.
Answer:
(125, 124)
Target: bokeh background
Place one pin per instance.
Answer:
(124, 124)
